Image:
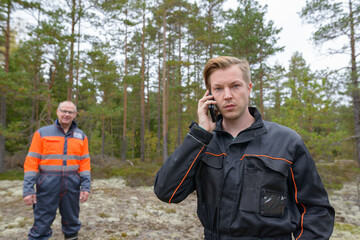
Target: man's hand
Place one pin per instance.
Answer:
(203, 112)
(84, 196)
(30, 199)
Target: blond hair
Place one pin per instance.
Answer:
(224, 62)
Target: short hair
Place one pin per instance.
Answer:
(224, 62)
(70, 102)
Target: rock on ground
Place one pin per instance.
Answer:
(115, 211)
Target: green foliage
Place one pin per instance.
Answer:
(12, 175)
(136, 173)
(336, 174)
(307, 106)
(344, 227)
(312, 103)
(248, 35)
(336, 20)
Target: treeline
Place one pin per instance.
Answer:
(134, 69)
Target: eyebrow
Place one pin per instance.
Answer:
(232, 82)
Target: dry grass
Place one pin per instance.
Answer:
(335, 174)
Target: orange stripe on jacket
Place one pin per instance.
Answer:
(296, 200)
(58, 162)
(186, 174)
(274, 158)
(217, 155)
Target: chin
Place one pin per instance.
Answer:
(232, 115)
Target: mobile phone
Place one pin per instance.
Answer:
(212, 111)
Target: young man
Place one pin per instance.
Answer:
(58, 163)
(254, 179)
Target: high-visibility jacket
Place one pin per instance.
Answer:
(53, 150)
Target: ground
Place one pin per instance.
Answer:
(115, 211)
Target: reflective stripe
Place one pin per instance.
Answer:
(84, 173)
(52, 156)
(84, 156)
(34, 154)
(30, 174)
(73, 157)
(72, 167)
(64, 157)
(59, 168)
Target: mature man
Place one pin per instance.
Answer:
(58, 163)
(254, 179)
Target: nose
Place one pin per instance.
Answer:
(227, 94)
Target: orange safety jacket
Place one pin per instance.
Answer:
(52, 150)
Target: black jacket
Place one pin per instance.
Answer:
(261, 185)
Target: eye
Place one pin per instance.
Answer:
(217, 89)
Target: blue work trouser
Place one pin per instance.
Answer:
(56, 190)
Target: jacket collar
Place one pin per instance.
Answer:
(72, 127)
(256, 129)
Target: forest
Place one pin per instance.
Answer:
(134, 69)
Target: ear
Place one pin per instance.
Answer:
(250, 87)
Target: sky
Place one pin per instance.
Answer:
(296, 35)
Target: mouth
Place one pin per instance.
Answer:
(229, 106)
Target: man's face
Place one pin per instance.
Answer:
(230, 91)
(66, 114)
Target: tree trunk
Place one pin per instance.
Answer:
(142, 100)
(354, 79)
(71, 61)
(148, 92)
(179, 137)
(164, 100)
(123, 154)
(261, 81)
(2, 137)
(3, 98)
(103, 136)
(35, 104)
(158, 144)
(78, 61)
(51, 84)
(35, 100)
(133, 138)
(112, 136)
(210, 22)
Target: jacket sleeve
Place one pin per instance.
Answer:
(84, 168)
(175, 180)
(317, 215)
(31, 164)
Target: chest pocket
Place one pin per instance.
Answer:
(265, 185)
(52, 146)
(75, 146)
(211, 175)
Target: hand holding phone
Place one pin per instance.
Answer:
(204, 108)
(212, 111)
